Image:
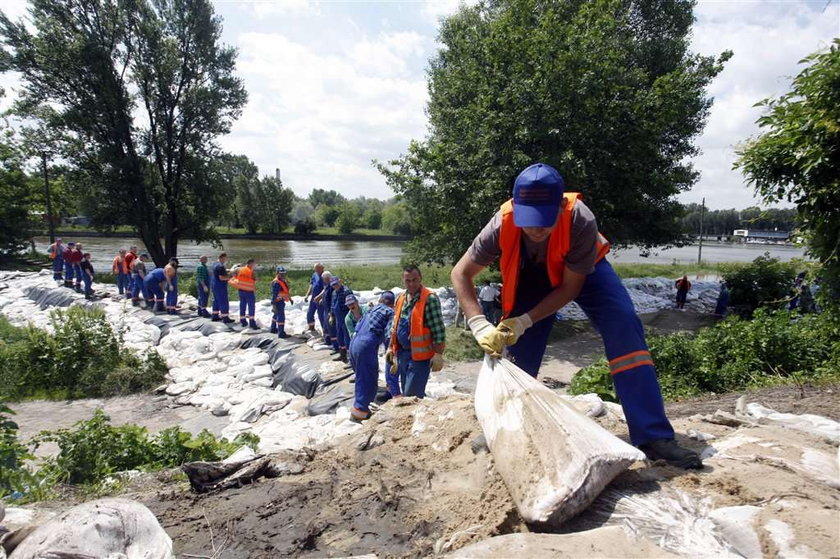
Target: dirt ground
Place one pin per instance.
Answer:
(408, 484)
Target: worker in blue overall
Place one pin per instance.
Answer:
(551, 253)
(172, 288)
(339, 312)
(324, 301)
(316, 286)
(418, 337)
(157, 283)
(138, 273)
(279, 296)
(371, 332)
(219, 285)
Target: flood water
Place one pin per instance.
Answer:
(302, 254)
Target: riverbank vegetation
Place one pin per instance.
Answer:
(93, 453)
(81, 358)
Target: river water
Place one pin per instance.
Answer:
(302, 254)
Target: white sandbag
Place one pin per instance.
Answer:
(553, 459)
(102, 528)
(806, 422)
(737, 526)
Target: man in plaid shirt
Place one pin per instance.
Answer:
(418, 337)
(202, 280)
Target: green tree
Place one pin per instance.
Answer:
(141, 90)
(326, 216)
(302, 217)
(15, 199)
(349, 216)
(276, 204)
(606, 91)
(396, 219)
(797, 157)
(320, 196)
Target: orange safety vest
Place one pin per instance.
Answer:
(510, 238)
(245, 280)
(117, 263)
(284, 290)
(421, 337)
(53, 251)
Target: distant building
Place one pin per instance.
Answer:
(762, 237)
(277, 173)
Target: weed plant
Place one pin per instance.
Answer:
(81, 358)
(775, 347)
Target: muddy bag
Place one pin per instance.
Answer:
(553, 459)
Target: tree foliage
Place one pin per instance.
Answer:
(606, 91)
(15, 200)
(140, 90)
(724, 222)
(797, 157)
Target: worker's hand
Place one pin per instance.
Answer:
(488, 336)
(331, 319)
(515, 327)
(389, 358)
(437, 362)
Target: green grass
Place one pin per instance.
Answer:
(27, 262)
(645, 270)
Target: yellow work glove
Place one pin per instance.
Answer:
(488, 336)
(513, 328)
(437, 362)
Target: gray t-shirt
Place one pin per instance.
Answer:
(582, 246)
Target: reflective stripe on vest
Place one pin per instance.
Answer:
(510, 238)
(245, 279)
(420, 336)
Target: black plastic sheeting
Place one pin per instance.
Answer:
(329, 398)
(53, 297)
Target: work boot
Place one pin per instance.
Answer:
(281, 333)
(160, 308)
(252, 324)
(135, 303)
(215, 318)
(228, 320)
(342, 356)
(671, 452)
(273, 328)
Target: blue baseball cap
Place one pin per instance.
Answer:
(281, 270)
(349, 300)
(537, 194)
(387, 297)
(334, 280)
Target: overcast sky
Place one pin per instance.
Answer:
(335, 84)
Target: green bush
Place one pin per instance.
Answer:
(95, 449)
(773, 347)
(81, 358)
(765, 282)
(13, 475)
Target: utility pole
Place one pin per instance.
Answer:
(700, 246)
(47, 198)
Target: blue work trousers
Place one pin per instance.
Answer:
(68, 272)
(172, 295)
(247, 304)
(203, 295)
(363, 359)
(341, 333)
(221, 305)
(58, 264)
(88, 281)
(311, 311)
(77, 271)
(122, 282)
(153, 290)
(605, 301)
(138, 287)
(279, 313)
(413, 374)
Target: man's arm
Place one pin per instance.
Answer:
(462, 277)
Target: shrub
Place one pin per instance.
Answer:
(82, 358)
(95, 449)
(774, 347)
(13, 475)
(764, 282)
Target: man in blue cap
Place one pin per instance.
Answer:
(316, 286)
(371, 332)
(551, 253)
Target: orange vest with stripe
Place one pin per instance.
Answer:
(421, 337)
(510, 242)
(283, 294)
(117, 263)
(245, 280)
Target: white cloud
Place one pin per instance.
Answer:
(269, 8)
(321, 118)
(768, 40)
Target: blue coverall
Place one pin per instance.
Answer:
(221, 306)
(340, 310)
(278, 308)
(317, 285)
(605, 301)
(364, 346)
(58, 261)
(330, 337)
(153, 289)
(172, 296)
(138, 284)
